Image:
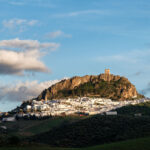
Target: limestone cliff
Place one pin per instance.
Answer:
(106, 86)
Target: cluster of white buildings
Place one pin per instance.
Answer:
(84, 105)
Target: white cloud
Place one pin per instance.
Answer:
(23, 90)
(20, 56)
(12, 62)
(18, 24)
(83, 12)
(57, 34)
(27, 44)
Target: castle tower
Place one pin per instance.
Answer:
(107, 71)
(107, 74)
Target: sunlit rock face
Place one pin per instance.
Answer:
(104, 85)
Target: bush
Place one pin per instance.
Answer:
(14, 140)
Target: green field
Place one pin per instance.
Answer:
(142, 108)
(76, 131)
(136, 144)
(95, 130)
(23, 128)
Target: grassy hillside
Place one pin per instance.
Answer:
(25, 128)
(135, 144)
(83, 131)
(143, 108)
(96, 130)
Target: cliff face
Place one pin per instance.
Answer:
(107, 86)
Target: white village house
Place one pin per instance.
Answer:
(70, 106)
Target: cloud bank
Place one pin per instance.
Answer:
(17, 62)
(24, 90)
(20, 56)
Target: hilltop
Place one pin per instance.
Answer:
(86, 95)
(104, 85)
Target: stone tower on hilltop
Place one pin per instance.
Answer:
(107, 71)
(107, 74)
(105, 85)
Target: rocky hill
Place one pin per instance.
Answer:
(103, 85)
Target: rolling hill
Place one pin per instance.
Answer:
(96, 130)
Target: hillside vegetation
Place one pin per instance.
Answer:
(19, 130)
(96, 130)
(142, 108)
(83, 131)
(106, 86)
(27, 127)
(135, 144)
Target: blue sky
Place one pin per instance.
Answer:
(44, 40)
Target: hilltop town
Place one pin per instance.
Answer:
(80, 106)
(88, 95)
(64, 109)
